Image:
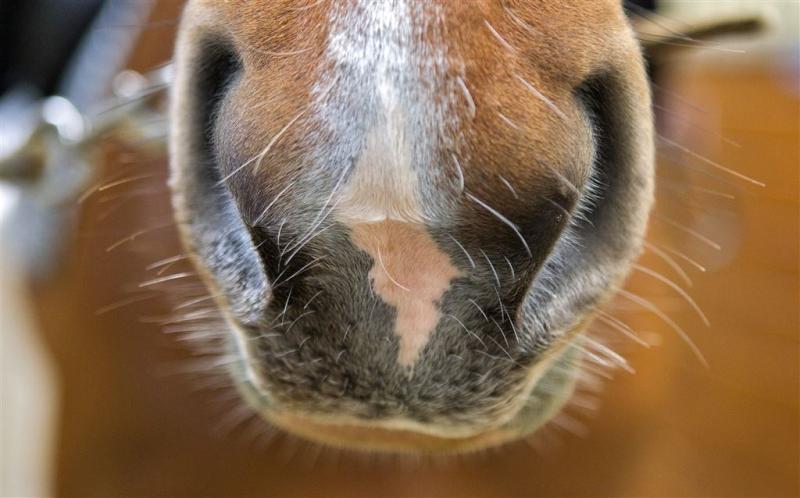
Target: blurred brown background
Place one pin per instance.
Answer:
(128, 426)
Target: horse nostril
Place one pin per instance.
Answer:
(214, 72)
(615, 170)
(591, 95)
(210, 222)
(606, 235)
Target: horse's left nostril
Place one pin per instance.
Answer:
(618, 177)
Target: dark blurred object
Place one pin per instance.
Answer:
(38, 37)
(641, 4)
(66, 47)
(49, 144)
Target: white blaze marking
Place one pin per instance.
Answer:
(386, 107)
(387, 102)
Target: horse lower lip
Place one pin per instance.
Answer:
(550, 390)
(365, 437)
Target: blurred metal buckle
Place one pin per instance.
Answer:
(49, 154)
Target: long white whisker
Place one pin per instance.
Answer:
(669, 260)
(480, 310)
(611, 354)
(260, 156)
(682, 256)
(549, 103)
(124, 181)
(460, 172)
(285, 306)
(389, 275)
(168, 278)
(321, 216)
(125, 302)
(672, 285)
(502, 218)
(711, 162)
(304, 314)
(468, 96)
(279, 282)
(464, 250)
(312, 300)
(511, 267)
(508, 121)
(272, 203)
(564, 180)
(465, 328)
(499, 38)
(622, 327)
(135, 235)
(508, 186)
(694, 233)
(491, 266)
(655, 310)
(521, 23)
(166, 261)
(192, 302)
(305, 242)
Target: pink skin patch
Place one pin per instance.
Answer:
(410, 273)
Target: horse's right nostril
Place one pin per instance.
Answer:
(208, 217)
(213, 72)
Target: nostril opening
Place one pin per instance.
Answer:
(203, 82)
(592, 96)
(613, 178)
(215, 71)
(211, 223)
(606, 235)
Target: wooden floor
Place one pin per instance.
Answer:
(131, 426)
